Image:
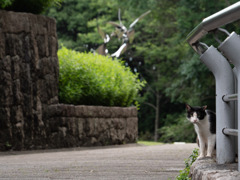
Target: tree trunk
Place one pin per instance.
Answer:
(156, 117)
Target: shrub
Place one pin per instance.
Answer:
(146, 136)
(92, 79)
(180, 130)
(32, 6)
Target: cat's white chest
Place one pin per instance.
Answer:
(202, 128)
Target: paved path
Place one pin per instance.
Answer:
(126, 162)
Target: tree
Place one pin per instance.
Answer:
(77, 22)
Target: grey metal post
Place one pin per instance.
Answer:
(231, 49)
(236, 110)
(223, 74)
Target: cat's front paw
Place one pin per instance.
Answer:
(209, 156)
(200, 157)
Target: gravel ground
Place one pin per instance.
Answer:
(123, 162)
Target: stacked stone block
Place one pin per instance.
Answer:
(28, 77)
(72, 126)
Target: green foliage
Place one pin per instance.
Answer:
(147, 136)
(91, 79)
(32, 6)
(184, 174)
(191, 88)
(178, 129)
(5, 3)
(77, 22)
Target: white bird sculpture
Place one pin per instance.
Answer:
(127, 35)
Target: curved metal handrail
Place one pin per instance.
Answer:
(221, 18)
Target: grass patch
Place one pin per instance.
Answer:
(149, 143)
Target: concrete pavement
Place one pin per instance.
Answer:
(123, 162)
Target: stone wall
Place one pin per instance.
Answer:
(207, 168)
(29, 73)
(71, 126)
(28, 76)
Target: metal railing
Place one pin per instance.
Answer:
(217, 60)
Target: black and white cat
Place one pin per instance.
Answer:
(204, 122)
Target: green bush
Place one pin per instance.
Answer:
(146, 136)
(32, 6)
(92, 79)
(179, 130)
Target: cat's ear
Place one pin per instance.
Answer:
(204, 107)
(188, 107)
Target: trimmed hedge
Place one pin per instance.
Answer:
(92, 79)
